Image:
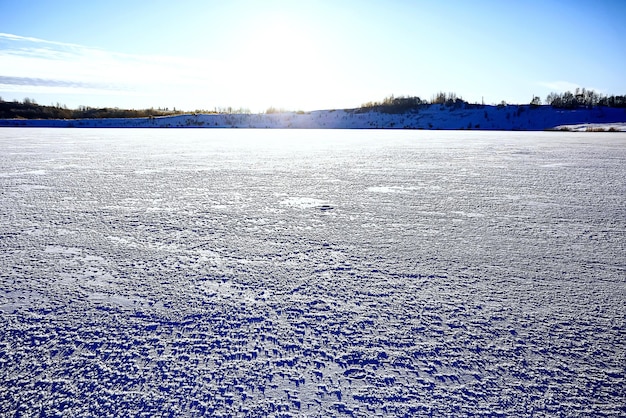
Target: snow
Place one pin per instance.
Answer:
(593, 127)
(469, 117)
(196, 273)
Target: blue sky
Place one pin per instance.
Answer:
(305, 55)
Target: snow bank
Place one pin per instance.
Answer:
(593, 127)
(477, 117)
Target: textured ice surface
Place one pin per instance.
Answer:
(317, 273)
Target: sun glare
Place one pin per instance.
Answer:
(284, 63)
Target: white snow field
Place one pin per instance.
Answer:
(312, 273)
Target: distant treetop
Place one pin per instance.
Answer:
(583, 97)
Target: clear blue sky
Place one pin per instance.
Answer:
(305, 55)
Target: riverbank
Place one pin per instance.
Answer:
(473, 117)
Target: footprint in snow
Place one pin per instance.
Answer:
(355, 373)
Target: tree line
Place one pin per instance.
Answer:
(582, 97)
(29, 109)
(400, 104)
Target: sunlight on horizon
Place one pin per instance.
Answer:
(274, 64)
(282, 63)
(300, 55)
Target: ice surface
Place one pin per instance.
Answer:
(312, 273)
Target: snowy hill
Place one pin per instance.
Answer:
(510, 117)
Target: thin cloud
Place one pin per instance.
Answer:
(87, 60)
(46, 82)
(34, 62)
(31, 62)
(563, 86)
(255, 77)
(18, 38)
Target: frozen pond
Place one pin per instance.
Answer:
(312, 273)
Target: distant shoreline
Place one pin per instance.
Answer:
(429, 117)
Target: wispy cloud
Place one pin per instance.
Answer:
(46, 82)
(563, 86)
(30, 64)
(256, 76)
(26, 61)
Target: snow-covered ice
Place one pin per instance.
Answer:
(312, 273)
